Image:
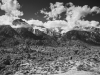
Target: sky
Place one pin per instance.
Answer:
(31, 7)
(52, 13)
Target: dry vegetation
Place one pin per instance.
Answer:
(45, 60)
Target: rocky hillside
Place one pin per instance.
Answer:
(90, 37)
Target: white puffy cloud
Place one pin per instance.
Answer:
(56, 10)
(56, 23)
(11, 8)
(74, 16)
(35, 22)
(6, 20)
(95, 9)
(75, 13)
(87, 23)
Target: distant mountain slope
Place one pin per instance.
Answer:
(8, 35)
(14, 36)
(7, 31)
(90, 37)
(24, 33)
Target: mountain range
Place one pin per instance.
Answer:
(10, 36)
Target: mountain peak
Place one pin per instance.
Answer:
(17, 23)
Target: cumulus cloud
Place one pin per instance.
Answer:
(56, 23)
(35, 22)
(86, 23)
(56, 10)
(95, 9)
(11, 8)
(5, 20)
(75, 13)
(74, 16)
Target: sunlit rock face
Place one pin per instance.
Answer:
(89, 36)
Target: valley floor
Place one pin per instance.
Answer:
(40, 60)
